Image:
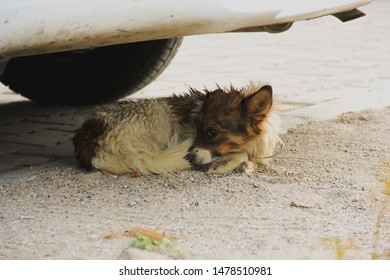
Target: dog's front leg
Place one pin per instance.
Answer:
(232, 161)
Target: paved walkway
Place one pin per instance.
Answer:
(318, 69)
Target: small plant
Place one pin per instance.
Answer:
(380, 218)
(156, 242)
(143, 241)
(339, 247)
(387, 186)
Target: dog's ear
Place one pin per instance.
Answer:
(256, 107)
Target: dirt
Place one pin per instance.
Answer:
(326, 196)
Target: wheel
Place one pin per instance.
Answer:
(89, 76)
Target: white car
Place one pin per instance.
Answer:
(94, 51)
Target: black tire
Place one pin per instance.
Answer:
(90, 76)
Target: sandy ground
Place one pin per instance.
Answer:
(337, 168)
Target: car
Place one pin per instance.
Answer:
(93, 51)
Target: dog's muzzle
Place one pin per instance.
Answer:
(199, 156)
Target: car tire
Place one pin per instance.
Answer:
(89, 76)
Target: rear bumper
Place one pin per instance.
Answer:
(43, 26)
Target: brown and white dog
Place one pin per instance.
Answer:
(221, 130)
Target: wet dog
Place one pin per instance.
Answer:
(221, 131)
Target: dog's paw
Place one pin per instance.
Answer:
(220, 166)
(247, 167)
(231, 162)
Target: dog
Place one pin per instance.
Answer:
(219, 131)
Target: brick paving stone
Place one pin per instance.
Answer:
(7, 148)
(29, 127)
(14, 161)
(7, 119)
(43, 138)
(59, 149)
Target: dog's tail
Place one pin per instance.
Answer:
(85, 141)
(146, 158)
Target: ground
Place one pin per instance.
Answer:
(336, 169)
(326, 196)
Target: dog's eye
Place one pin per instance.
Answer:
(211, 133)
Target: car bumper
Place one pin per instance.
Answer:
(43, 26)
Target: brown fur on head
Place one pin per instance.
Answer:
(230, 121)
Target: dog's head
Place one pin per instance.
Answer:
(229, 121)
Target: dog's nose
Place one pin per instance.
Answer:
(202, 156)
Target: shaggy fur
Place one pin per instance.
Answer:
(220, 131)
